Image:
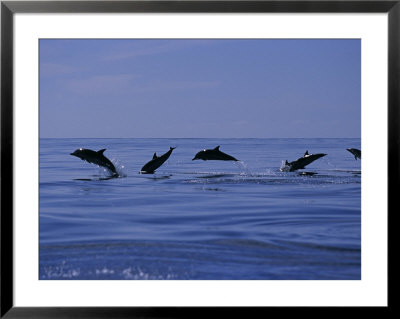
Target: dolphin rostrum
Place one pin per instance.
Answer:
(156, 162)
(213, 154)
(355, 152)
(94, 157)
(303, 161)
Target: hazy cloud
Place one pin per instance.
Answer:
(55, 69)
(102, 83)
(145, 48)
(177, 85)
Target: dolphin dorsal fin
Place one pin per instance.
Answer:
(217, 148)
(306, 153)
(101, 151)
(154, 156)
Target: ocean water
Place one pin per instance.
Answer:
(200, 220)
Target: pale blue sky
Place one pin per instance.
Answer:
(200, 88)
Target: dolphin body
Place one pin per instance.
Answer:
(94, 157)
(355, 152)
(213, 154)
(302, 162)
(156, 162)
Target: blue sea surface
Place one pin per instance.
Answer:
(200, 220)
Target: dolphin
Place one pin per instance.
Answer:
(303, 161)
(355, 152)
(213, 154)
(156, 162)
(94, 157)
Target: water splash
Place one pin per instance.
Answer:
(270, 172)
(244, 167)
(121, 169)
(284, 167)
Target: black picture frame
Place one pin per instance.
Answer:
(9, 8)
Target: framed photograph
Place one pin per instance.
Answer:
(161, 158)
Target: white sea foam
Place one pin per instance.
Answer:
(284, 167)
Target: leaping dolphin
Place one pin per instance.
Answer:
(303, 161)
(156, 162)
(355, 152)
(94, 157)
(213, 154)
